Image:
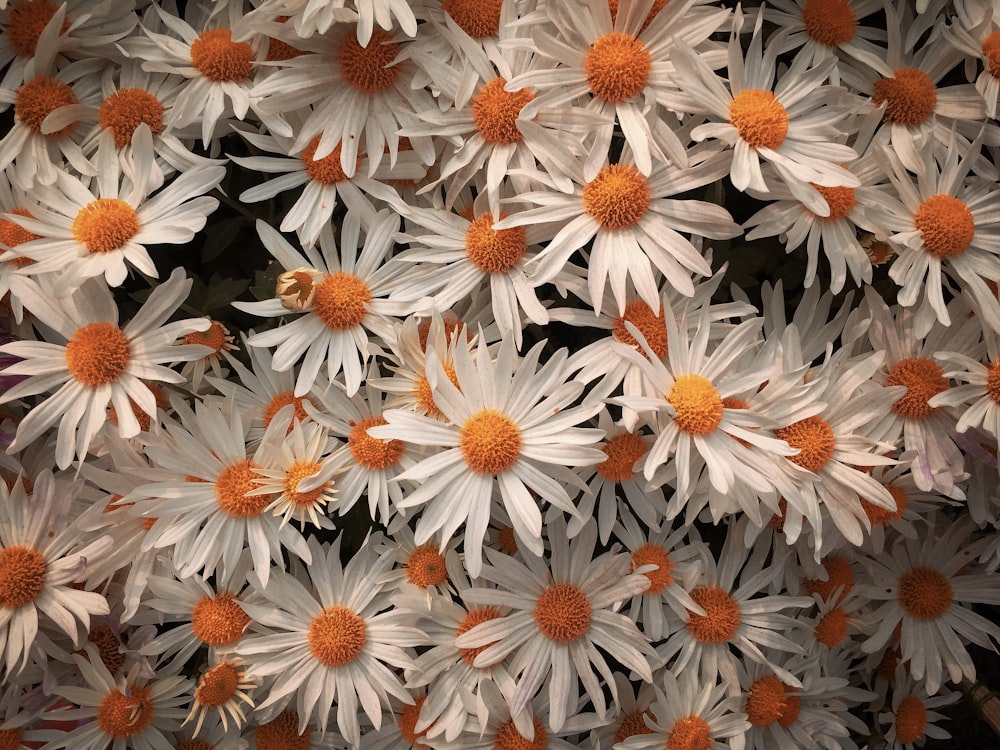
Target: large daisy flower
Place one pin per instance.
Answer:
(511, 426)
(100, 364)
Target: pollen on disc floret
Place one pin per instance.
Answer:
(490, 441)
(622, 451)
(120, 716)
(946, 225)
(341, 301)
(563, 613)
(697, 404)
(759, 118)
(97, 354)
(22, 575)
(830, 22)
(38, 98)
(337, 635)
(617, 197)
(721, 618)
(219, 58)
(495, 112)
(368, 69)
(814, 438)
(371, 452)
(617, 67)
(493, 250)
(924, 593)
(124, 110)
(923, 379)
(650, 325)
(219, 620)
(910, 96)
(26, 21)
(105, 225)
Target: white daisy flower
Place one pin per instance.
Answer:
(562, 612)
(100, 364)
(311, 17)
(511, 426)
(912, 718)
(982, 391)
(979, 38)
(283, 732)
(224, 688)
(333, 643)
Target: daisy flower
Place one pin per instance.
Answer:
(121, 714)
(100, 364)
(219, 340)
(344, 302)
(41, 556)
(689, 714)
(922, 587)
(334, 643)
(635, 226)
(979, 38)
(912, 718)
(982, 389)
(104, 229)
(283, 731)
(223, 688)
(311, 17)
(511, 426)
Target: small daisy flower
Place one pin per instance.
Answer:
(284, 731)
(982, 389)
(561, 613)
(980, 40)
(100, 364)
(224, 688)
(333, 643)
(311, 17)
(912, 718)
(217, 338)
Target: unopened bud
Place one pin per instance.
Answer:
(297, 288)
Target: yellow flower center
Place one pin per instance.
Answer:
(880, 516)
(105, 225)
(494, 251)
(654, 554)
(125, 110)
(425, 394)
(283, 399)
(120, 716)
(282, 733)
(215, 336)
(830, 22)
(617, 197)
(372, 453)
(219, 58)
(650, 325)
(426, 567)
(814, 438)
(617, 67)
(219, 620)
(367, 69)
(839, 574)
(721, 618)
(622, 451)
(690, 733)
(97, 354)
(759, 118)
(22, 576)
(924, 593)
(991, 51)
(657, 6)
(295, 474)
(490, 442)
(479, 19)
(911, 719)
(770, 701)
(232, 486)
(831, 630)
(40, 96)
(337, 636)
(144, 420)
(326, 171)
(923, 379)
(946, 225)
(25, 23)
(697, 404)
(909, 96)
(341, 300)
(562, 612)
(495, 112)
(841, 201)
(218, 685)
(508, 738)
(12, 235)
(474, 617)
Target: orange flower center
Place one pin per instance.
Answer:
(911, 719)
(946, 225)
(690, 733)
(22, 576)
(278, 50)
(654, 554)
(474, 617)
(770, 701)
(830, 22)
(97, 354)
(232, 486)
(12, 235)
(425, 394)
(650, 325)
(924, 593)
(215, 336)
(991, 51)
(282, 733)
(337, 636)
(296, 473)
(25, 23)
(880, 516)
(759, 118)
(40, 96)
(367, 69)
(450, 326)
(562, 612)
(105, 225)
(490, 442)
(479, 19)
(923, 379)
(108, 648)
(841, 201)
(195, 745)
(617, 67)
(993, 380)
(909, 97)
(426, 567)
(631, 725)
(219, 620)
(120, 716)
(407, 723)
(508, 738)
(721, 619)
(839, 574)
(219, 58)
(340, 301)
(814, 438)
(495, 112)
(657, 6)
(10, 739)
(622, 451)
(218, 685)
(831, 630)
(494, 251)
(507, 540)
(617, 197)
(144, 420)
(126, 109)
(697, 403)
(326, 171)
(281, 400)
(372, 453)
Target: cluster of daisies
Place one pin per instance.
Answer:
(503, 459)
